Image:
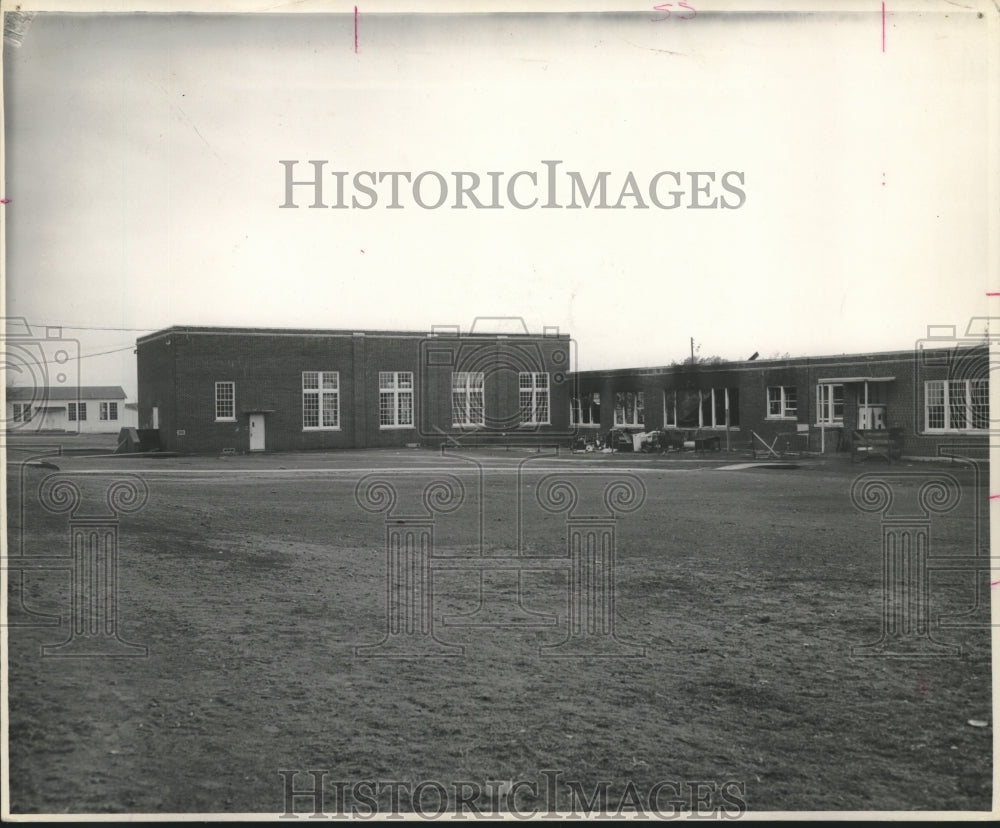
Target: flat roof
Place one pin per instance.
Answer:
(864, 359)
(83, 393)
(444, 333)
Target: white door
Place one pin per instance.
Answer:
(256, 432)
(156, 416)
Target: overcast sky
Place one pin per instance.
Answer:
(144, 184)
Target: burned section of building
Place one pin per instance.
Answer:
(919, 403)
(213, 389)
(241, 389)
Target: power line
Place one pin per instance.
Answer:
(84, 356)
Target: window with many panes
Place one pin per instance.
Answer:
(109, 411)
(956, 405)
(707, 408)
(533, 397)
(77, 412)
(467, 398)
(628, 408)
(395, 399)
(782, 402)
(586, 410)
(320, 400)
(225, 401)
(830, 404)
(22, 413)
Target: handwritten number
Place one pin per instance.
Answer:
(666, 7)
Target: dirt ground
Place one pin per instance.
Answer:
(251, 580)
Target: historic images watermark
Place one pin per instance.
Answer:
(550, 188)
(951, 384)
(514, 387)
(92, 563)
(589, 505)
(952, 376)
(42, 376)
(951, 404)
(310, 793)
(907, 503)
(495, 381)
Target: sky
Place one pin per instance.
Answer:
(143, 184)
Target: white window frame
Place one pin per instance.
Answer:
(22, 412)
(77, 412)
(945, 387)
(826, 409)
(533, 398)
(107, 409)
(465, 385)
(785, 411)
(221, 401)
(710, 395)
(581, 409)
(638, 420)
(395, 399)
(670, 408)
(322, 390)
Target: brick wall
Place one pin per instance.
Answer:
(155, 378)
(903, 396)
(266, 369)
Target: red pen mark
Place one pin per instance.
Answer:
(4, 201)
(883, 179)
(666, 7)
(988, 293)
(993, 584)
(883, 28)
(362, 251)
(994, 497)
(355, 30)
(922, 687)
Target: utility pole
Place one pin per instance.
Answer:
(692, 350)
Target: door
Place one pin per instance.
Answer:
(256, 432)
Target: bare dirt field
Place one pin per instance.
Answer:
(251, 581)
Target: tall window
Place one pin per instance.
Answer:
(685, 408)
(830, 404)
(320, 400)
(956, 405)
(714, 403)
(682, 409)
(467, 398)
(22, 413)
(225, 401)
(533, 397)
(781, 402)
(109, 411)
(586, 410)
(395, 399)
(628, 408)
(670, 409)
(77, 412)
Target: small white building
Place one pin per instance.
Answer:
(91, 409)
